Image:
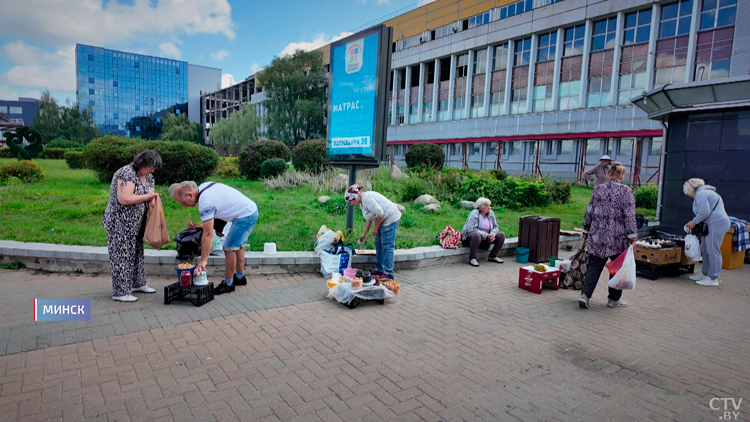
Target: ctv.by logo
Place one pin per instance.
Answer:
(730, 407)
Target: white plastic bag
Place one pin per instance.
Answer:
(625, 277)
(218, 246)
(692, 247)
(330, 263)
(326, 241)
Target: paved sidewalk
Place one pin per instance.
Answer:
(458, 343)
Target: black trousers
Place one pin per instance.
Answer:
(474, 242)
(596, 265)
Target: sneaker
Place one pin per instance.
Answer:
(473, 262)
(239, 281)
(496, 259)
(126, 298)
(144, 289)
(223, 288)
(698, 277)
(708, 282)
(583, 301)
(616, 303)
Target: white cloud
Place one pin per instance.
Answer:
(227, 80)
(255, 68)
(220, 55)
(169, 49)
(317, 42)
(38, 68)
(378, 1)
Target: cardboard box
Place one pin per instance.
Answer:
(658, 256)
(531, 280)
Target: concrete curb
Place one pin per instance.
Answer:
(95, 260)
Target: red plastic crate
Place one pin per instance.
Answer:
(534, 281)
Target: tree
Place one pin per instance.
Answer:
(77, 124)
(238, 130)
(179, 128)
(295, 89)
(47, 119)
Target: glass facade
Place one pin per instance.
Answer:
(130, 94)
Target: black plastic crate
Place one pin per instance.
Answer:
(197, 295)
(654, 272)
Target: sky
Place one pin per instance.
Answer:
(38, 37)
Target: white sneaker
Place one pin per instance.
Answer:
(698, 277)
(707, 282)
(126, 298)
(144, 289)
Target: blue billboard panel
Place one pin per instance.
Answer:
(354, 76)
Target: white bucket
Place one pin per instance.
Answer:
(269, 248)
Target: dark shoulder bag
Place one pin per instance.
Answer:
(701, 229)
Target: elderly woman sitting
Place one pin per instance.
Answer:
(481, 231)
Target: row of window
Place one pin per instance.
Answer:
(629, 77)
(11, 110)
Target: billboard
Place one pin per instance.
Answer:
(357, 102)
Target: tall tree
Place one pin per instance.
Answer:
(238, 130)
(77, 124)
(295, 89)
(179, 128)
(47, 119)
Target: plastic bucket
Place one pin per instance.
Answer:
(553, 260)
(522, 254)
(269, 248)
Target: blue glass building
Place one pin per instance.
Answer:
(131, 94)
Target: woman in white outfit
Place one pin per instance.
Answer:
(708, 208)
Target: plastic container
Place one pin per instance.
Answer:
(350, 273)
(553, 260)
(200, 279)
(180, 271)
(269, 248)
(522, 255)
(197, 295)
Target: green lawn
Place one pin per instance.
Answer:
(68, 208)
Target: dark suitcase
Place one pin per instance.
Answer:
(541, 235)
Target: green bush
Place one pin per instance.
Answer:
(336, 205)
(75, 159)
(25, 170)
(559, 191)
(257, 152)
(646, 196)
(425, 154)
(229, 168)
(310, 155)
(182, 160)
(65, 144)
(272, 168)
(517, 193)
(411, 188)
(499, 174)
(8, 153)
(53, 153)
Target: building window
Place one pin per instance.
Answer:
(459, 95)
(114, 83)
(566, 148)
(137, 65)
(92, 102)
(718, 13)
(520, 77)
(637, 27)
(480, 19)
(476, 107)
(91, 91)
(116, 116)
(713, 54)
(91, 80)
(137, 107)
(675, 19)
(522, 55)
(671, 56)
(600, 78)
(15, 110)
(91, 57)
(625, 147)
(547, 46)
(4, 109)
(480, 62)
(570, 83)
(633, 76)
(177, 71)
(137, 128)
(656, 146)
(603, 36)
(515, 8)
(427, 94)
(543, 76)
(574, 39)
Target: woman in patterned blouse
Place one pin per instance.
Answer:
(608, 230)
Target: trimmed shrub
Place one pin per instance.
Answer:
(8, 153)
(499, 174)
(65, 144)
(272, 168)
(229, 168)
(182, 160)
(53, 153)
(25, 170)
(257, 152)
(310, 155)
(559, 191)
(75, 159)
(425, 154)
(517, 193)
(646, 196)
